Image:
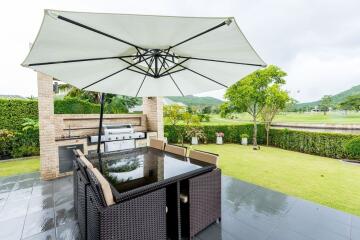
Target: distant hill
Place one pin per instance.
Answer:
(197, 101)
(338, 98)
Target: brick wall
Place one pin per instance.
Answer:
(153, 108)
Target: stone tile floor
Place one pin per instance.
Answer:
(33, 209)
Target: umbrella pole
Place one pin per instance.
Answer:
(102, 101)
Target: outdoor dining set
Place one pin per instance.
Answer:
(154, 192)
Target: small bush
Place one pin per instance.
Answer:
(352, 148)
(25, 151)
(75, 106)
(6, 139)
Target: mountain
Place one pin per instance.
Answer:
(337, 98)
(197, 101)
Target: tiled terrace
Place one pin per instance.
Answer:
(34, 209)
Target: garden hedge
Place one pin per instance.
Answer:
(231, 132)
(317, 143)
(75, 106)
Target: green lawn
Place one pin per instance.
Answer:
(319, 179)
(333, 117)
(19, 166)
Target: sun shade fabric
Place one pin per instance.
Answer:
(105, 187)
(62, 40)
(204, 157)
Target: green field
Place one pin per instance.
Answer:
(20, 166)
(332, 118)
(323, 180)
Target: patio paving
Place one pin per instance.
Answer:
(32, 209)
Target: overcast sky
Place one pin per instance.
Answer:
(316, 42)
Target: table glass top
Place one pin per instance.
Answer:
(128, 170)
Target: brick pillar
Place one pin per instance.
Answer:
(49, 164)
(153, 108)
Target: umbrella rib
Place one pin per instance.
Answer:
(98, 31)
(136, 64)
(151, 62)
(145, 74)
(112, 74)
(176, 64)
(226, 22)
(179, 70)
(149, 66)
(174, 80)
(223, 61)
(202, 75)
(77, 60)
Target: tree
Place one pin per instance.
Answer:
(206, 110)
(325, 103)
(249, 94)
(276, 100)
(351, 103)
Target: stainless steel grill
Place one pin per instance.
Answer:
(118, 137)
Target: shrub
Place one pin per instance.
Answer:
(6, 140)
(352, 148)
(244, 135)
(75, 106)
(231, 132)
(13, 112)
(25, 151)
(318, 143)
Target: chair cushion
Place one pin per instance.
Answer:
(79, 152)
(175, 149)
(158, 144)
(204, 157)
(105, 187)
(86, 162)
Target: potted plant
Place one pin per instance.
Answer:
(166, 135)
(219, 137)
(196, 134)
(244, 139)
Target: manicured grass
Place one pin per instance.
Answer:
(332, 118)
(19, 166)
(323, 180)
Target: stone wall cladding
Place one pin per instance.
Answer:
(153, 109)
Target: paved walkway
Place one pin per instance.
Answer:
(33, 209)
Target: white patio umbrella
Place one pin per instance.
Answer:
(141, 55)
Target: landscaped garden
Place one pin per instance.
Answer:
(323, 180)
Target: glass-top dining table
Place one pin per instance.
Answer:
(133, 171)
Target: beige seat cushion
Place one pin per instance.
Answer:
(175, 149)
(105, 187)
(204, 157)
(158, 144)
(86, 162)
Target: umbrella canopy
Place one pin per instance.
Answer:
(140, 55)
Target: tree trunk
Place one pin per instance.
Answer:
(255, 134)
(267, 133)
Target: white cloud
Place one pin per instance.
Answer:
(316, 42)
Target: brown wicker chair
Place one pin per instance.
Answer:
(158, 144)
(175, 150)
(204, 157)
(142, 217)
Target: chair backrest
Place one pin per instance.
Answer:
(175, 149)
(78, 152)
(101, 185)
(204, 157)
(158, 144)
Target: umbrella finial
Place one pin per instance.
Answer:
(228, 21)
(52, 14)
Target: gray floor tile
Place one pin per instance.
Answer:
(11, 229)
(38, 222)
(14, 209)
(214, 232)
(285, 234)
(48, 235)
(355, 234)
(68, 231)
(355, 222)
(23, 185)
(63, 197)
(7, 187)
(39, 203)
(240, 230)
(42, 190)
(21, 194)
(64, 213)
